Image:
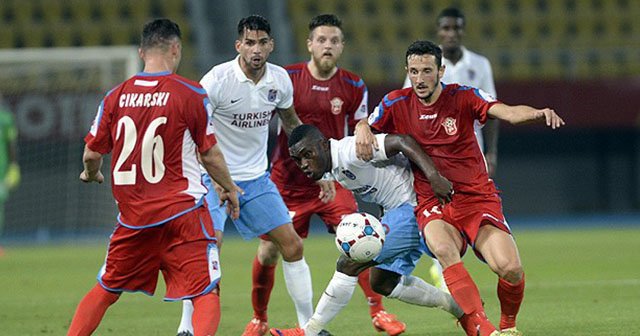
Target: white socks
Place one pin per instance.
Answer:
(185, 320)
(416, 291)
(337, 294)
(297, 277)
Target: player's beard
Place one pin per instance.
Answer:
(325, 64)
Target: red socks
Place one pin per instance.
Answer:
(91, 310)
(466, 294)
(206, 314)
(510, 296)
(374, 299)
(263, 279)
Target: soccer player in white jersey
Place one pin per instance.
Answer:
(245, 92)
(386, 180)
(465, 67)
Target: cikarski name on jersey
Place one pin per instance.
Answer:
(144, 99)
(251, 120)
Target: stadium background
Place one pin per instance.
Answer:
(581, 57)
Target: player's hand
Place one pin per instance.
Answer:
(492, 163)
(233, 204)
(365, 142)
(442, 188)
(87, 178)
(327, 190)
(552, 119)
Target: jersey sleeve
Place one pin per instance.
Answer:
(361, 110)
(381, 153)
(99, 137)
(480, 102)
(200, 122)
(287, 93)
(381, 119)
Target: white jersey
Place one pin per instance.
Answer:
(242, 110)
(471, 70)
(384, 181)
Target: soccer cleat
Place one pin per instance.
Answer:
(388, 323)
(256, 327)
(185, 333)
(511, 332)
(287, 332)
(324, 333)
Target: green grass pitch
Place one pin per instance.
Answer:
(579, 282)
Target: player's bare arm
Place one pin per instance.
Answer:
(396, 143)
(523, 114)
(289, 119)
(213, 161)
(92, 163)
(365, 140)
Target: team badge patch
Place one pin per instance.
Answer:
(336, 105)
(472, 74)
(449, 125)
(273, 93)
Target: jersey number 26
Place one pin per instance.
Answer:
(151, 153)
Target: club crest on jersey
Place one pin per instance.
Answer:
(273, 93)
(449, 125)
(336, 105)
(472, 74)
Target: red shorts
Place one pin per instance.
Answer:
(467, 213)
(184, 249)
(302, 206)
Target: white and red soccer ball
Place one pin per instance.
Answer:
(360, 237)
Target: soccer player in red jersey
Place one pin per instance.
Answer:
(441, 117)
(333, 99)
(155, 124)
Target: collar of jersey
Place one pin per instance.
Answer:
(267, 78)
(149, 74)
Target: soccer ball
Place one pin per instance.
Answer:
(360, 236)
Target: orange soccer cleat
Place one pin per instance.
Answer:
(388, 323)
(287, 332)
(256, 327)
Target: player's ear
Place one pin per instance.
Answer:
(272, 44)
(309, 45)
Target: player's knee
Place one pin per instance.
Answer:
(292, 249)
(346, 266)
(383, 286)
(268, 253)
(510, 271)
(446, 253)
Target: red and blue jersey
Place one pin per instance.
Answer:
(154, 124)
(445, 132)
(334, 106)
